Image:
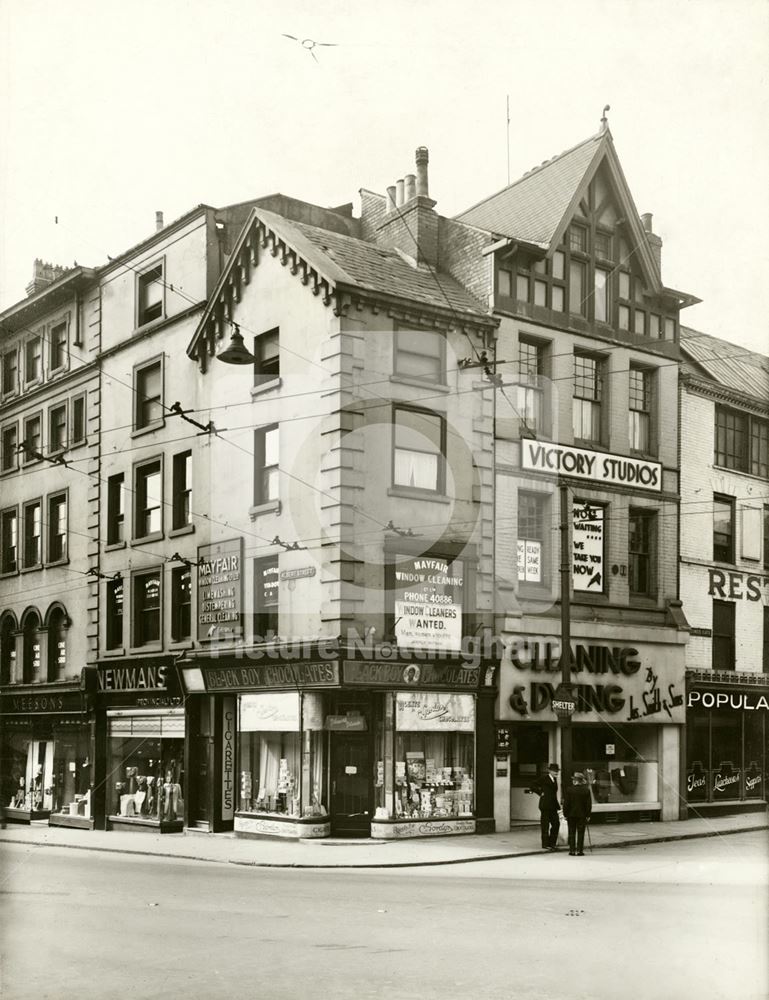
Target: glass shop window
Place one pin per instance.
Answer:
(270, 754)
(434, 755)
(28, 767)
(71, 792)
(620, 763)
(146, 768)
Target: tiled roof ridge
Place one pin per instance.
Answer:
(597, 136)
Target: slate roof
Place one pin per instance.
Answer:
(345, 260)
(731, 365)
(531, 208)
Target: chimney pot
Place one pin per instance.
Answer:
(391, 198)
(158, 221)
(422, 159)
(646, 222)
(399, 192)
(410, 188)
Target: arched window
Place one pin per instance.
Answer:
(33, 648)
(7, 648)
(58, 622)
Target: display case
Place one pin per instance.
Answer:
(28, 762)
(71, 791)
(145, 771)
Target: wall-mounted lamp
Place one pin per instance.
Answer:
(237, 353)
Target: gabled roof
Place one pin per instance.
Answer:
(531, 208)
(730, 365)
(537, 208)
(340, 267)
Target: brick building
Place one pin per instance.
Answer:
(725, 571)
(587, 365)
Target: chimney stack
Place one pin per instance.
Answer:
(44, 274)
(655, 243)
(410, 223)
(158, 221)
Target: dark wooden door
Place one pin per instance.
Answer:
(351, 784)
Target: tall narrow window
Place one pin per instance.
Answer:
(532, 509)
(420, 354)
(267, 355)
(114, 636)
(759, 448)
(529, 401)
(9, 527)
(266, 469)
(10, 446)
(641, 532)
(504, 283)
(148, 500)
(723, 529)
(419, 443)
(150, 295)
(57, 527)
(57, 428)
(578, 238)
(7, 650)
(148, 394)
(577, 288)
(723, 635)
(33, 360)
(33, 438)
(33, 546)
(182, 490)
(10, 371)
(33, 649)
(266, 595)
(77, 420)
(115, 509)
(601, 295)
(588, 393)
(58, 347)
(639, 412)
(146, 607)
(181, 603)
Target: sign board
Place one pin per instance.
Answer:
(563, 702)
(270, 676)
(269, 713)
(595, 466)
(529, 561)
(375, 673)
(587, 548)
(428, 603)
(431, 711)
(220, 591)
(504, 739)
(228, 759)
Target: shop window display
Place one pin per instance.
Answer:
(431, 750)
(146, 768)
(71, 792)
(620, 765)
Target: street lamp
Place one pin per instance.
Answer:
(237, 353)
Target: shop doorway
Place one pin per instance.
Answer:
(350, 775)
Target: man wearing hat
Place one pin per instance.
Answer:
(577, 806)
(546, 788)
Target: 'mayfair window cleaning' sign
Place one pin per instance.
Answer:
(428, 603)
(596, 466)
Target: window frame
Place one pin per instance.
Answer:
(13, 464)
(179, 603)
(139, 638)
(440, 487)
(143, 281)
(31, 380)
(141, 509)
(262, 629)
(649, 518)
(739, 459)
(54, 346)
(30, 418)
(140, 424)
(76, 440)
(13, 513)
(114, 636)
(116, 515)
(56, 498)
(12, 352)
(543, 514)
(649, 376)
(719, 638)
(26, 507)
(181, 490)
(262, 491)
(599, 379)
(727, 502)
(266, 370)
(401, 352)
(55, 448)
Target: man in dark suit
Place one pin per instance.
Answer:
(546, 787)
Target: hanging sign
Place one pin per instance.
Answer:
(220, 590)
(587, 548)
(228, 759)
(428, 603)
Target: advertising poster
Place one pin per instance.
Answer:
(220, 590)
(428, 603)
(529, 561)
(587, 548)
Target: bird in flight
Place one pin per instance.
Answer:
(310, 44)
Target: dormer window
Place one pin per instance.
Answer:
(578, 238)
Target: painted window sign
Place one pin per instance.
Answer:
(587, 548)
(529, 561)
(428, 603)
(220, 590)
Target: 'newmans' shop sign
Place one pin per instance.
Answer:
(596, 466)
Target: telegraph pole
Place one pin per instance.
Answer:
(563, 699)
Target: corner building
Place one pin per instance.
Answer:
(725, 572)
(587, 367)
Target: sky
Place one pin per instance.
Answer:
(110, 111)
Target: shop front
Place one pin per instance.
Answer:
(140, 746)
(47, 754)
(626, 729)
(727, 739)
(352, 747)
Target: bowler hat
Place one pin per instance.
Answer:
(553, 767)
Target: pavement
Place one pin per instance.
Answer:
(225, 848)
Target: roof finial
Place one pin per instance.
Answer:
(604, 119)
